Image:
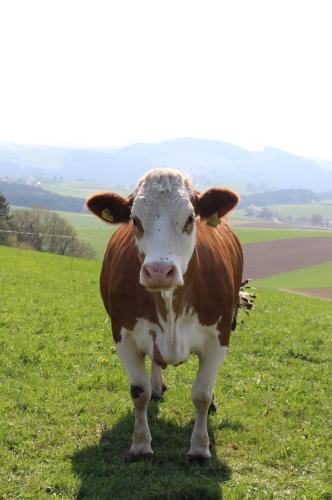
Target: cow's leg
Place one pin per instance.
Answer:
(140, 390)
(210, 362)
(157, 382)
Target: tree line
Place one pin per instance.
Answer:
(283, 197)
(42, 230)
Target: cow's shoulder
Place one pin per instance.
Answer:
(220, 241)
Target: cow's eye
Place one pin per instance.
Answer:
(138, 228)
(189, 224)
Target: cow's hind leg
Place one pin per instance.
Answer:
(210, 362)
(140, 390)
(157, 383)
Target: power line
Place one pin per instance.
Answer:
(44, 234)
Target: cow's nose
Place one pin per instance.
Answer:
(159, 275)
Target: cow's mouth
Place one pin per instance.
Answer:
(160, 289)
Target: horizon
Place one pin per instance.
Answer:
(112, 147)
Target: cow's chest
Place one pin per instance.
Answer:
(171, 341)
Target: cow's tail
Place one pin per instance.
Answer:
(245, 302)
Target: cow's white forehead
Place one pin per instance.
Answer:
(162, 187)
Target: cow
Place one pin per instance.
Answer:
(170, 282)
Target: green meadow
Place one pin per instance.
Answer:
(81, 188)
(78, 189)
(303, 210)
(66, 415)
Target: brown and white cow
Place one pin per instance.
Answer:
(170, 282)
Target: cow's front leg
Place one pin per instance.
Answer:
(157, 382)
(140, 390)
(210, 362)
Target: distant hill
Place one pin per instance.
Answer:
(28, 196)
(208, 162)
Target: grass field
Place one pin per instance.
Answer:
(302, 210)
(78, 189)
(81, 189)
(66, 416)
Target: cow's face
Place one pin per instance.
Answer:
(163, 218)
(162, 210)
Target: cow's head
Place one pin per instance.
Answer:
(163, 210)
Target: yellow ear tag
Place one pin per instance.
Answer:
(213, 221)
(107, 215)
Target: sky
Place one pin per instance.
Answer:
(107, 73)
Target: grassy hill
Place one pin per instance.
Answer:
(77, 189)
(66, 415)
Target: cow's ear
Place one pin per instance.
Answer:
(214, 204)
(110, 207)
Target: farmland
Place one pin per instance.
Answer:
(80, 188)
(302, 210)
(66, 416)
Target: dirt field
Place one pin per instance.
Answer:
(268, 258)
(281, 256)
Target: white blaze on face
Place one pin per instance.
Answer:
(164, 226)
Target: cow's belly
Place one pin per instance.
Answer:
(172, 341)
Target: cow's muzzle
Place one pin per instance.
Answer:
(160, 276)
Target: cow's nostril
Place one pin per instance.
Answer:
(170, 273)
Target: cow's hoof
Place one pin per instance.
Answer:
(159, 397)
(212, 408)
(156, 397)
(199, 460)
(147, 457)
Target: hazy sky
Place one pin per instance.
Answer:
(105, 73)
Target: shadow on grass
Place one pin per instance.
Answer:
(106, 474)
